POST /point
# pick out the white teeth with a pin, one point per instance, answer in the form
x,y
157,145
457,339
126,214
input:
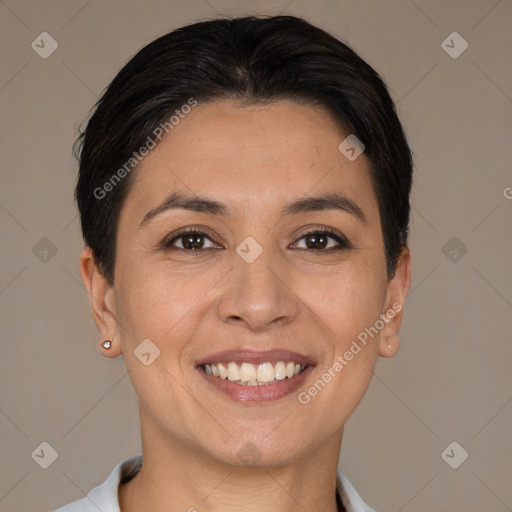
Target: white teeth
x,y
254,375
247,372
223,371
233,372
280,371
266,372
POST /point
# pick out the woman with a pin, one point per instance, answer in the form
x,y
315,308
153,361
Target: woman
x,y
244,199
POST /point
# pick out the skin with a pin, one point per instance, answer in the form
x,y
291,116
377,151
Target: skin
x,y
255,160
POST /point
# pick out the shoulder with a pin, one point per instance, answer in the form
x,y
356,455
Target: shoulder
x,y
350,497
104,496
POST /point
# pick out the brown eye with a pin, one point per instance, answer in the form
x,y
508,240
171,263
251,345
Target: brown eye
x,y
322,240
316,241
190,240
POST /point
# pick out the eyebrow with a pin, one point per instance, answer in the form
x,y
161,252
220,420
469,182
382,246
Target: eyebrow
x,y
330,201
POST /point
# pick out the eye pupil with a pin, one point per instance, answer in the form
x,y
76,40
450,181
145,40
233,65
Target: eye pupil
x,y
316,241
192,242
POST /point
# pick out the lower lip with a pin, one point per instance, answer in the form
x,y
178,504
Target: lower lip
x,y
260,393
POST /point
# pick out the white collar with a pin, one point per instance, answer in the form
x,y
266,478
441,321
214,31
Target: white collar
x,y
104,497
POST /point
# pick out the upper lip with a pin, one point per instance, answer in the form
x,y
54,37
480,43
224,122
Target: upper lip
x,y
255,357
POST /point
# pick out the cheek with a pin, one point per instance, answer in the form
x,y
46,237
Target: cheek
x,y
162,303
342,309
346,301
163,308
345,307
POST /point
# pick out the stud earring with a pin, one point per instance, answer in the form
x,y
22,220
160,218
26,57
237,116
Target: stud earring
x,y
106,344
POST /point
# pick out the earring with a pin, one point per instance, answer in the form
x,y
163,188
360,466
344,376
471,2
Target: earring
x,y
106,344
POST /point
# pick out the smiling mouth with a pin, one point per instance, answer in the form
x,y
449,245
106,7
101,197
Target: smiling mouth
x,y
248,374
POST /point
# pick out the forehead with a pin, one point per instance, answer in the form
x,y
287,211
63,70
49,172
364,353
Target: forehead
x,y
252,155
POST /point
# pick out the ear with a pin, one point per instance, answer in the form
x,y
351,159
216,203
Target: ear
x,y
101,295
398,287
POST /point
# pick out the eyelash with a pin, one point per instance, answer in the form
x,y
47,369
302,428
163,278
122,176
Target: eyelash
x,y
167,244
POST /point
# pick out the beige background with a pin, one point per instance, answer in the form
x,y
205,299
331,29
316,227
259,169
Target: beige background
x,y
451,380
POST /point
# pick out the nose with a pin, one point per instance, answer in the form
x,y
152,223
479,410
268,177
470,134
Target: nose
x,y
257,295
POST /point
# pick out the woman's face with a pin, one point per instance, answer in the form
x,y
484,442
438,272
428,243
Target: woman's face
x,y
251,284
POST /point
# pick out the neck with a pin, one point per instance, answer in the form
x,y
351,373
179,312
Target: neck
x,y
176,476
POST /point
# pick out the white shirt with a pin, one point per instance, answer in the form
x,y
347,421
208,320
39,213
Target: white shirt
x,y
104,497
